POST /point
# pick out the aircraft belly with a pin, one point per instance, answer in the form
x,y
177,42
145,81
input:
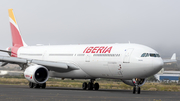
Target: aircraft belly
x,y
75,74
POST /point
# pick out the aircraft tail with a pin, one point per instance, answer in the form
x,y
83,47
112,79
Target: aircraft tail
x,y
17,40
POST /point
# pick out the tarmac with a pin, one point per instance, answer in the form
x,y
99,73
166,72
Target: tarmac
x,y
23,93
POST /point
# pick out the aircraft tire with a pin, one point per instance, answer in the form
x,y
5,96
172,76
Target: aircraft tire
x,y
139,90
43,86
134,90
84,86
36,86
31,85
96,86
90,86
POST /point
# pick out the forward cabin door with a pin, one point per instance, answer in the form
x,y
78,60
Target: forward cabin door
x,y
127,55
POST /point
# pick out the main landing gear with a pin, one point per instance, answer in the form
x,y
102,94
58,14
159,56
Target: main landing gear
x,y
90,85
33,85
136,89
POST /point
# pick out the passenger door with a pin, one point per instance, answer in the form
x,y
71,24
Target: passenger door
x,y
127,55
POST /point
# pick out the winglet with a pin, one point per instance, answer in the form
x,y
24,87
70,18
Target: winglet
x,y
173,56
17,40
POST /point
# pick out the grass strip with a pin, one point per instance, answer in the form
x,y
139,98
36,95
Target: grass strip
x,y
104,84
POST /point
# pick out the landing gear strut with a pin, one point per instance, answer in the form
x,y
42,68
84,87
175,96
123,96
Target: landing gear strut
x,y
90,85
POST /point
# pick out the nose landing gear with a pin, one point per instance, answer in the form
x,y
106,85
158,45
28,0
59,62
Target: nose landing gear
x,y
90,85
137,82
136,89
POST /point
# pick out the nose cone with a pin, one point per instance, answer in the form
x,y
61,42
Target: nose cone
x,y
157,64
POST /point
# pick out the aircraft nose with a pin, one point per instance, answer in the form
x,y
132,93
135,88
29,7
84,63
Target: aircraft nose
x,y
158,64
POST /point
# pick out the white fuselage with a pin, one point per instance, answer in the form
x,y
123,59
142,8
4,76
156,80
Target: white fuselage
x,y
118,61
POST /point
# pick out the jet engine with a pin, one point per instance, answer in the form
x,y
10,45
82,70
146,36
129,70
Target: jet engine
x,y
135,82
37,74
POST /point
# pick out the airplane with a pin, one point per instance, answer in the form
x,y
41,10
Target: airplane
x,y
131,63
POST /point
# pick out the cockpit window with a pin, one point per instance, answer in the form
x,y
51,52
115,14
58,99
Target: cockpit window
x,y
143,55
157,55
150,55
147,55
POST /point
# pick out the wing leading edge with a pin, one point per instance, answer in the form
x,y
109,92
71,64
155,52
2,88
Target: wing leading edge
x,y
54,66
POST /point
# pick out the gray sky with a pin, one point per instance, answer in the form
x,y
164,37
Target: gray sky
x,y
155,23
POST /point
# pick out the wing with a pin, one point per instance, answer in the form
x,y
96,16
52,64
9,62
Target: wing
x,y
54,66
173,59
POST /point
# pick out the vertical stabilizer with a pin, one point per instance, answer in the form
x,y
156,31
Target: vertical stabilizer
x,y
17,40
173,56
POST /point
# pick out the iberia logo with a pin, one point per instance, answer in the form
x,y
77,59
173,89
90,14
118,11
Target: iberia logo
x,y
98,49
31,77
27,75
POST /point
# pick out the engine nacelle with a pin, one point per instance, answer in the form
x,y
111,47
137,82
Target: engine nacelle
x,y
135,82
37,74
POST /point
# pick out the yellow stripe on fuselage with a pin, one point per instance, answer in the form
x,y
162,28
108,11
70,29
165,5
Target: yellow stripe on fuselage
x,y
11,15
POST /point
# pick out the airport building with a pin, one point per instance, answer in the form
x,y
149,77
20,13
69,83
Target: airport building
x,y
167,77
172,76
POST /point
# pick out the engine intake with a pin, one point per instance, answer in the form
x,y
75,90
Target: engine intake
x,y
36,74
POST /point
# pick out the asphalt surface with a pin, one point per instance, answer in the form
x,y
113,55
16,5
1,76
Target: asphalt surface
x,y
23,93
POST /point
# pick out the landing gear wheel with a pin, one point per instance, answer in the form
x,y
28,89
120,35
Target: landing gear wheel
x,y
36,86
90,86
43,86
96,86
139,90
84,86
134,90
31,85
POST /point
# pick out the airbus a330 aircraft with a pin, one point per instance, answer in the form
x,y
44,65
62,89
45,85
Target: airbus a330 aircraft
x,y
131,63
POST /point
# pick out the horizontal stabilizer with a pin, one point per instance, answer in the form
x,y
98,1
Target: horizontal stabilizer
x,y
5,51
